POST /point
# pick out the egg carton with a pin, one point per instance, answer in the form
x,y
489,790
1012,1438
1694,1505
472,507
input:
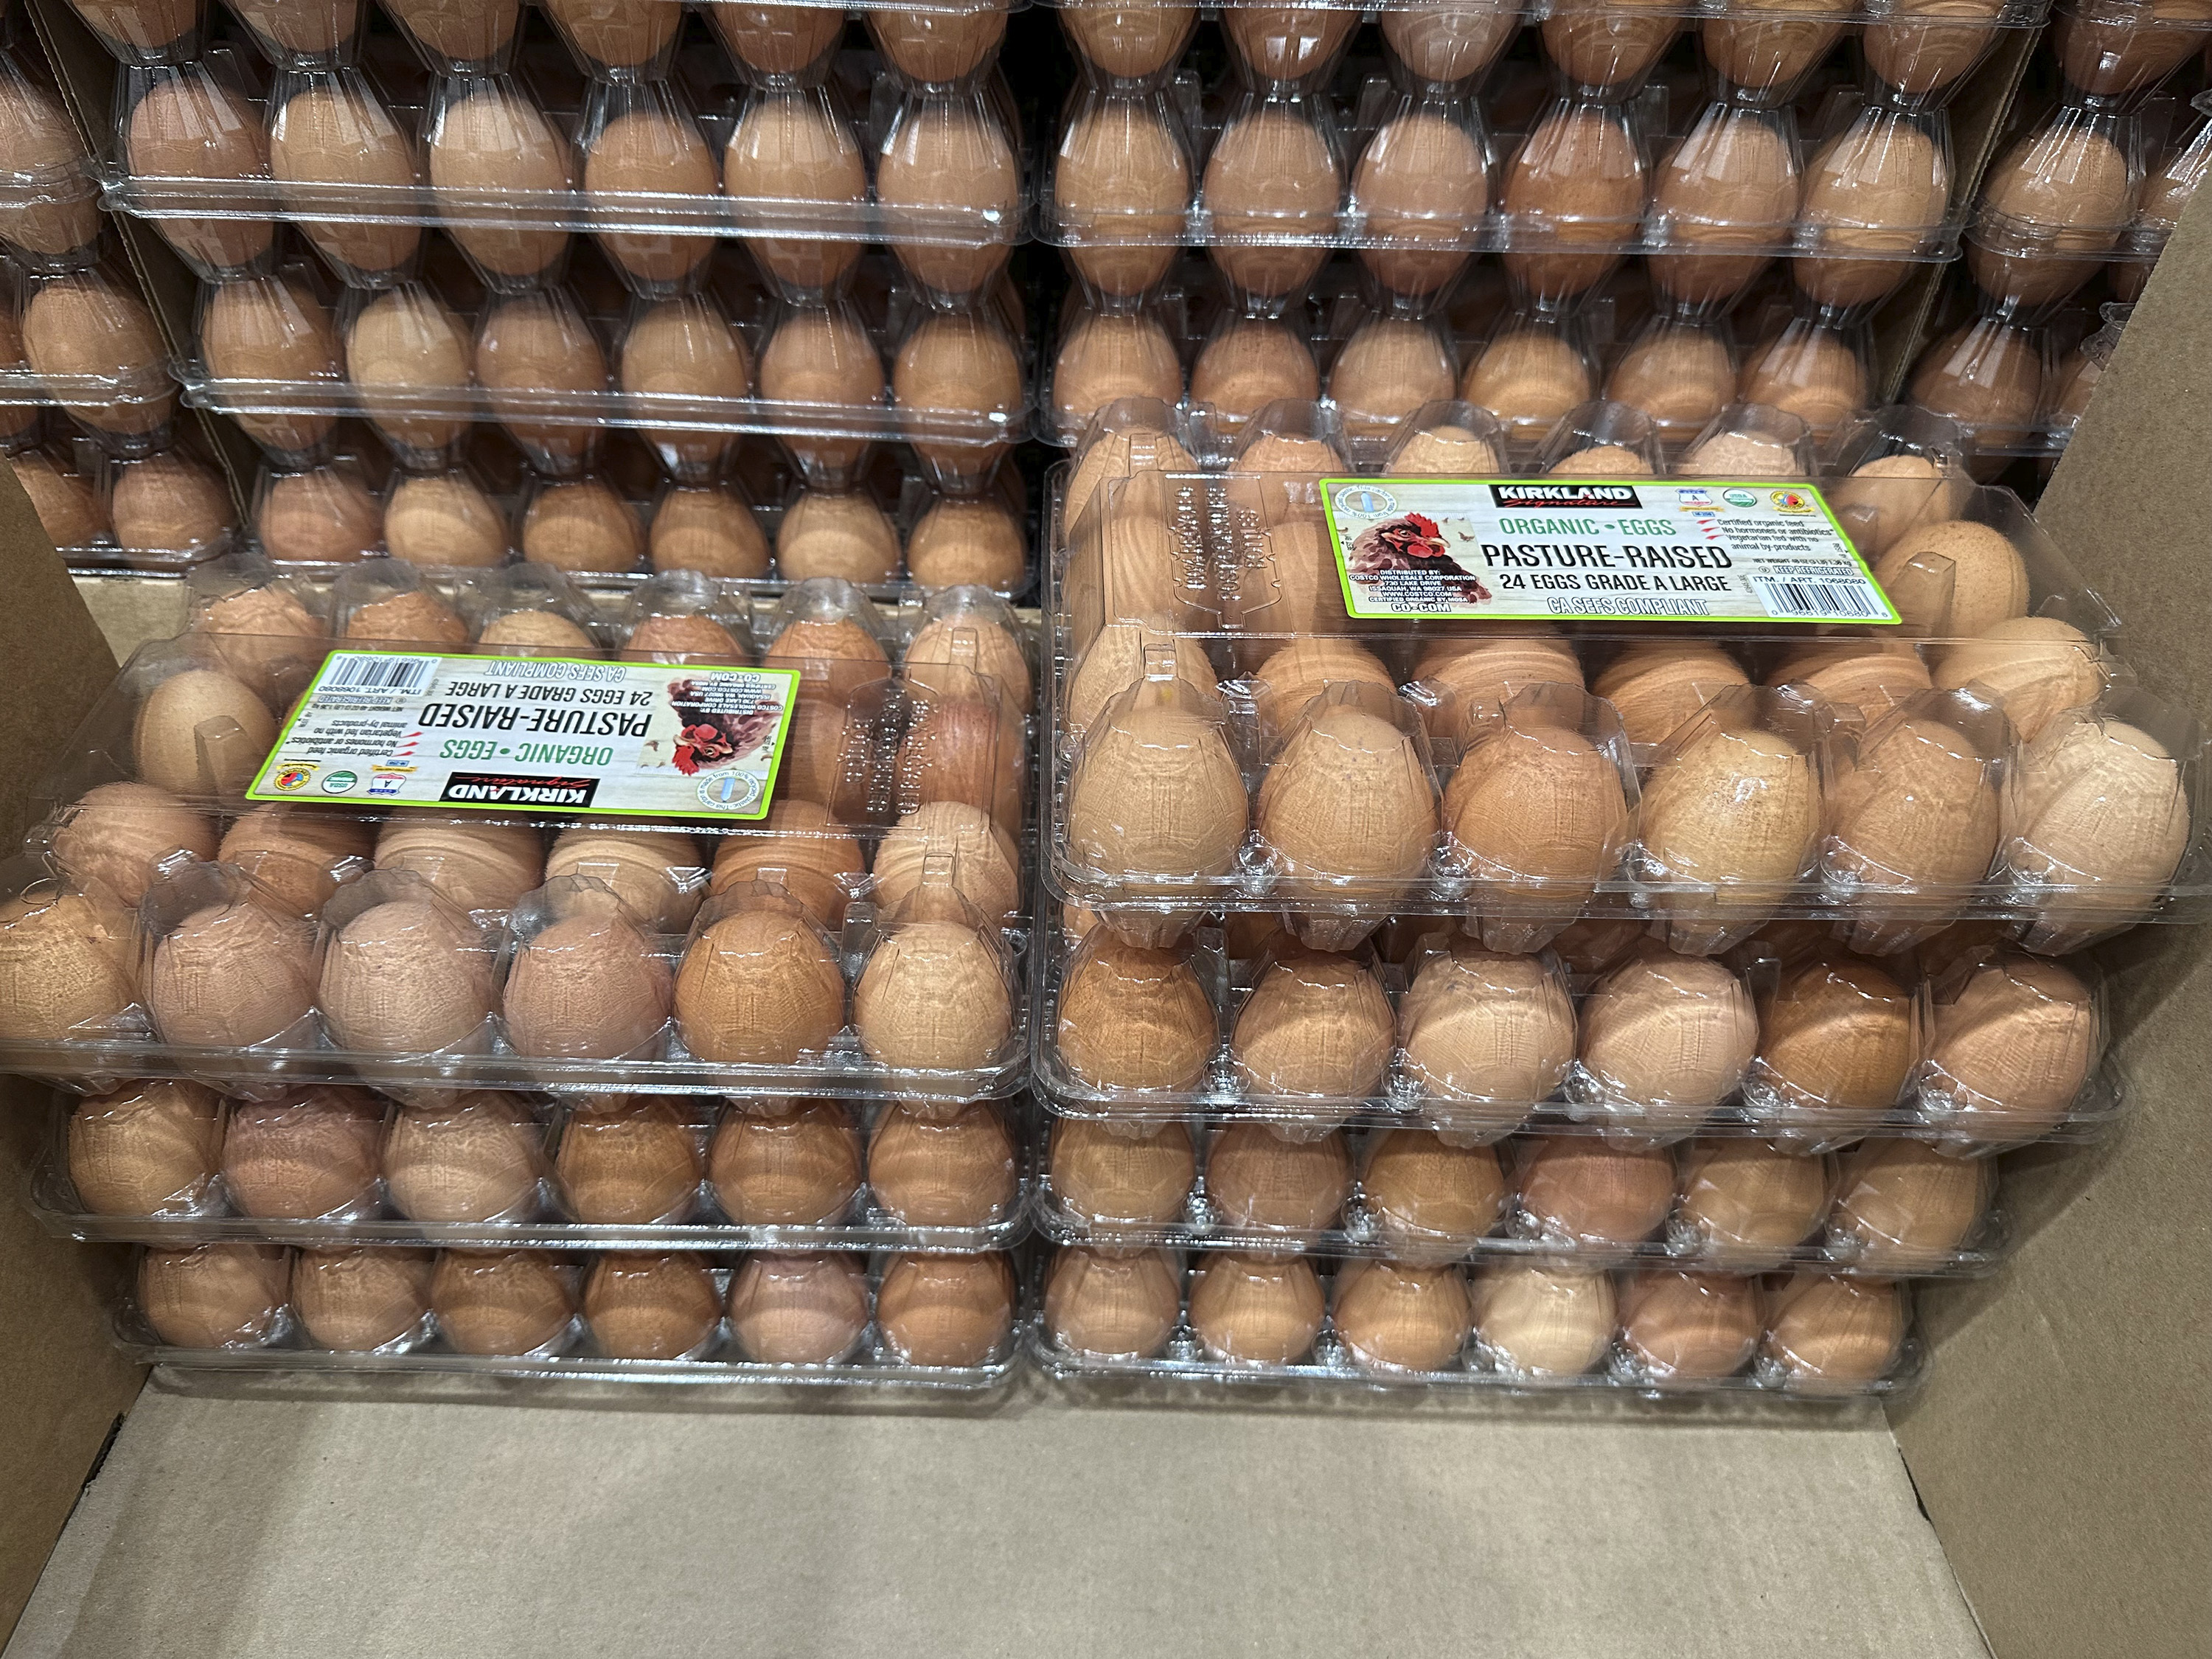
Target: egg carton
x,y
249,1320
1190,999
49,189
346,504
1886,1206
505,161
2030,396
73,482
983,1158
84,342
1655,1331
423,402
2122,48
1207,599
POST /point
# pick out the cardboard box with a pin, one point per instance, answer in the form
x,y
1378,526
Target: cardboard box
x,y
2048,1494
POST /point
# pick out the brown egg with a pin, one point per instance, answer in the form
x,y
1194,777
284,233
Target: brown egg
x,y
495,142
1811,373
712,531
1689,1327
945,1310
466,31
1272,174
232,976
410,616
299,31
1399,1316
1742,455
1594,945
1121,453
1477,1026
1293,588
827,752
822,357
201,732
1671,1035
1128,38
1681,377
617,34
588,987
355,1300
1601,461
682,358
1987,375
1917,811
1536,1322
1133,1019
1580,176
1128,1174
582,525
1738,809
964,749
1315,1024
801,848
944,156
2097,806
1538,804
1917,59
834,657
1112,1304
264,635
773,39
1576,1189
1954,577
958,375
1255,1308
444,520
269,329
1155,793
799,1310
2065,188
836,534
651,151
83,327
150,1147
1442,40
501,1302
938,47
984,867
758,987
474,865
656,873
1528,376
1424,183
681,637
324,516
1770,56
1286,43
474,1157
1472,675
2014,1043
407,976
219,1296
408,344
1865,678
629,1160
1828,1333
1730,184
1447,452
1903,1207
1121,181
1607,46
958,542
298,855
1430,1197
1839,1034
1348,797
789,155
1257,1178
1245,366
1388,368
961,641
785,1163
1747,1199
933,997
1115,660
67,961
305,1156
929,1170
537,350
332,135
123,835
147,28
1294,674
192,127
651,1307
70,513
1879,187
1106,357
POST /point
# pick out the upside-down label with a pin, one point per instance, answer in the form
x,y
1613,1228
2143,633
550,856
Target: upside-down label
x,y
1619,550
622,739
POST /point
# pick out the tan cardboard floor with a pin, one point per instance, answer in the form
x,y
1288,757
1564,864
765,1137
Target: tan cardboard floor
x,y
269,1524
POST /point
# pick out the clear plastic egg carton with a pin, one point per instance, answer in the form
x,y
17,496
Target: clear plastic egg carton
x,y
2010,390
425,361
950,1322
166,1162
1885,1206
157,514
49,191
1183,587
1791,1039
655,159
82,341
1273,1318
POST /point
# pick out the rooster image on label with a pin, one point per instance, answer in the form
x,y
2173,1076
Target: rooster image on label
x,y
1411,543
710,737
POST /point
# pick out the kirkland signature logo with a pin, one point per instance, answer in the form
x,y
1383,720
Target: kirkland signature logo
x,y
1565,493
519,789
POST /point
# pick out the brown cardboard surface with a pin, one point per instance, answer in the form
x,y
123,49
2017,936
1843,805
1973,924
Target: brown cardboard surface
x,y
63,1382
2064,1447
251,1527
131,610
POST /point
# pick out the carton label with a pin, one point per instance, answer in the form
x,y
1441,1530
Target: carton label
x,y
1617,549
503,734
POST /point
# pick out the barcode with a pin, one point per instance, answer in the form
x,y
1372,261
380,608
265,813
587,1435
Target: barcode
x,y
380,673
1814,598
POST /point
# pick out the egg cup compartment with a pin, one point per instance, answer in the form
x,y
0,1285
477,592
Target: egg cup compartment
x,y
49,187
88,345
1738,1064
681,1166
1882,1208
2120,48
175,510
1430,1326
233,1305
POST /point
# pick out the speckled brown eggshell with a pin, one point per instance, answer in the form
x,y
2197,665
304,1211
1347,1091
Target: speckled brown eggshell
x,y
1259,1178
476,1157
69,964
230,1295
1543,1321
1112,1304
642,1306
794,1163
928,1170
1122,1172
945,1310
1738,809
2034,667
230,975
1671,1034
501,1302
1431,1198
799,1310
1865,678
355,1300
1134,1018
1255,1310
1954,578
121,835
304,1155
149,1148
407,976
758,987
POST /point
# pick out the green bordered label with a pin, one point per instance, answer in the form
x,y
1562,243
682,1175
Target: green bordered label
x,y
552,734
1604,549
